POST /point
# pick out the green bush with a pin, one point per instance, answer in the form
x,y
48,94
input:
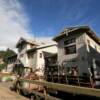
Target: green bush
x,y
9,79
2,66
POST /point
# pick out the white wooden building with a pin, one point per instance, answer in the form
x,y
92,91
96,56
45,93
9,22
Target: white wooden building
x,y
31,54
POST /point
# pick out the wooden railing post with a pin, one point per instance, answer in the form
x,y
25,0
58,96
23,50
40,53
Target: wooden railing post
x,y
45,93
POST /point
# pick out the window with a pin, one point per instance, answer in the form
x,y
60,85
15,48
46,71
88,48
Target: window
x,y
21,55
40,55
69,41
70,49
30,55
21,47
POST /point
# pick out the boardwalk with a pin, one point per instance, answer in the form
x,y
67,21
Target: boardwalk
x,y
6,94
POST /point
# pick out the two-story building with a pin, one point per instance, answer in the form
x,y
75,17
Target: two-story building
x,y
10,61
31,54
79,47
23,45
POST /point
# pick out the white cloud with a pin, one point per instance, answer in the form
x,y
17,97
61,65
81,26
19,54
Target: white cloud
x,y
13,23
46,40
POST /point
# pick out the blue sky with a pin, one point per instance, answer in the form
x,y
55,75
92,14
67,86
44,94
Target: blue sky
x,y
49,17
43,19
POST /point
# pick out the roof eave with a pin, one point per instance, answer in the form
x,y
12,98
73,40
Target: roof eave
x,y
57,38
31,50
88,31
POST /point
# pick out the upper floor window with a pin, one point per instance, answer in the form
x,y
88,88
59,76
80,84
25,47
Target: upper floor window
x,y
21,47
40,55
69,41
21,55
70,49
30,55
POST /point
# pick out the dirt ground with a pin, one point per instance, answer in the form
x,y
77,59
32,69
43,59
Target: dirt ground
x,y
7,94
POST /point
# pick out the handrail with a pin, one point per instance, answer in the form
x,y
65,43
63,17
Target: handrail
x,y
66,88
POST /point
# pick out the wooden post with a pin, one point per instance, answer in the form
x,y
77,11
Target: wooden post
x,y
91,80
58,74
78,80
45,93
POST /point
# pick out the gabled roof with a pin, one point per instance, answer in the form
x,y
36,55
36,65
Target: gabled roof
x,y
72,30
29,41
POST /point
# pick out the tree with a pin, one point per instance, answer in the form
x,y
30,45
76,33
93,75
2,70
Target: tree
x,y
9,52
2,66
4,55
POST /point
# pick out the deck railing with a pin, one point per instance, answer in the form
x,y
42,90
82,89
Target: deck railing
x,y
66,88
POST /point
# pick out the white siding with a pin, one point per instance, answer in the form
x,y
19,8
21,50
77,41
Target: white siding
x,y
10,67
32,61
93,44
41,61
22,56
